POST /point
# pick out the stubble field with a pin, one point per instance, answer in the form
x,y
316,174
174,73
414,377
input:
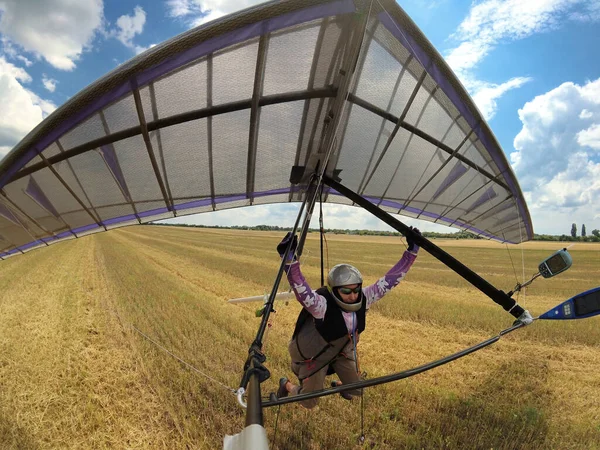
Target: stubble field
x,y
76,372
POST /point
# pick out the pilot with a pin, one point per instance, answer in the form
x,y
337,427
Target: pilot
x,y
329,325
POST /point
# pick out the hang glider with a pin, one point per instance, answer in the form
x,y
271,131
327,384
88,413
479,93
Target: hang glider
x,y
339,101
217,117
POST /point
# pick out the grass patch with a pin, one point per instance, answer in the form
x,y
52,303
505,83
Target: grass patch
x,y
75,374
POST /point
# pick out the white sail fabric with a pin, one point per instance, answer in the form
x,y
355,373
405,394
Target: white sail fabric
x,y
217,117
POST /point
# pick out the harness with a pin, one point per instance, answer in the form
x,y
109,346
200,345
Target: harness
x,y
331,327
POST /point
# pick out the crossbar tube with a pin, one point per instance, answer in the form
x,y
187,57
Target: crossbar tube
x,y
476,280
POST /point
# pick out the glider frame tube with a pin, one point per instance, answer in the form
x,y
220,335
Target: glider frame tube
x,y
254,369
394,377
498,296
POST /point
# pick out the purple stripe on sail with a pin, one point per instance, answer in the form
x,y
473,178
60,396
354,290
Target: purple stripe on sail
x,y
208,202
436,217
35,192
110,158
153,212
497,210
31,244
114,220
485,197
401,206
82,229
415,49
231,198
191,205
457,171
8,215
277,191
508,205
505,220
234,198
194,204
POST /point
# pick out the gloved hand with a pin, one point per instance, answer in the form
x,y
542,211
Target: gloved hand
x,y
412,246
525,318
284,243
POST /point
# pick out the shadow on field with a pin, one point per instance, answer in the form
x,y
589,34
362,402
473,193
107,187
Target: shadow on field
x,y
14,437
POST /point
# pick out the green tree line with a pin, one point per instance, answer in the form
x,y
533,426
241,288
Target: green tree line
x,y
595,236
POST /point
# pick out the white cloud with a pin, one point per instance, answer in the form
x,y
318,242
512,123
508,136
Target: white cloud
x,y
13,71
492,22
56,30
130,26
182,8
4,149
46,106
557,156
585,114
24,60
486,94
590,12
139,49
49,83
198,12
590,137
22,110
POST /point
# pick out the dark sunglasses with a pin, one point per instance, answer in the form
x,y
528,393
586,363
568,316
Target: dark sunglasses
x,y
348,291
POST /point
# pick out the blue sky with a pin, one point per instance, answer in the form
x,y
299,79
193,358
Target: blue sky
x,y
532,67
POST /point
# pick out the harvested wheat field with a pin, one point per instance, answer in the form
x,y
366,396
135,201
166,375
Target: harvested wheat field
x,y
76,372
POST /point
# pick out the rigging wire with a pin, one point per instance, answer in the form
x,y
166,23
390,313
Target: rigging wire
x,y
519,285
275,428
513,263
323,240
326,256
362,391
188,365
495,215
362,417
122,323
321,233
521,239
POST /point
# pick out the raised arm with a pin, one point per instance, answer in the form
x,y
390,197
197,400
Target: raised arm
x,y
390,280
314,303
394,276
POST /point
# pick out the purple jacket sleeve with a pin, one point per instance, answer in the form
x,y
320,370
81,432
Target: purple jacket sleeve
x,y
391,279
314,303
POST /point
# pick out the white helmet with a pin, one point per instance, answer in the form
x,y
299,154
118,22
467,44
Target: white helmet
x,y
343,275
